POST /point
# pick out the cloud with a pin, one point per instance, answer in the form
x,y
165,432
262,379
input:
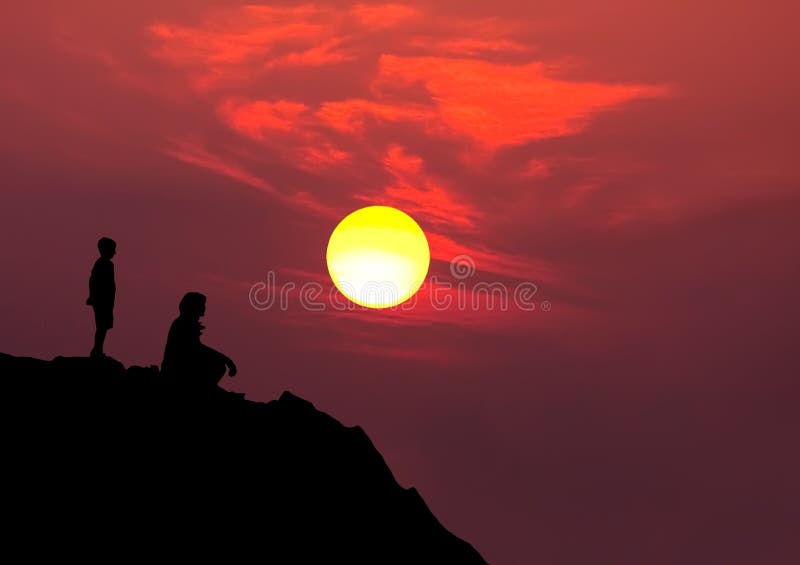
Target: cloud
x,y
382,15
536,168
352,115
254,119
195,154
420,194
503,104
410,106
469,46
288,128
234,45
183,45
328,52
318,157
493,103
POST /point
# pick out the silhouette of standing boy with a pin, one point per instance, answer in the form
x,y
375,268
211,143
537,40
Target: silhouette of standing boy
x,y
102,290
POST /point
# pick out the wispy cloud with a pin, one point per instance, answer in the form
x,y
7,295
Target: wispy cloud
x,y
383,15
420,194
195,154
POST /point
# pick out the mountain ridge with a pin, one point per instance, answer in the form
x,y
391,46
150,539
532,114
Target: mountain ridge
x,y
208,472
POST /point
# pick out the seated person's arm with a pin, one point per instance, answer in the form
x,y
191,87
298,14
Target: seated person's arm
x,y
231,366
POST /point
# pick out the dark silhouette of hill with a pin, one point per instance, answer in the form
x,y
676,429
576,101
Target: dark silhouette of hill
x,y
103,462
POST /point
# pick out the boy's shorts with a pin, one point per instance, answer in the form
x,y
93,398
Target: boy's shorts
x,y
103,317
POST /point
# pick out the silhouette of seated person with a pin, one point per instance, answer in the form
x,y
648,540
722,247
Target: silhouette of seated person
x,y
188,362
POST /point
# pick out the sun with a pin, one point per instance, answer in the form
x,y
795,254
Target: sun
x,y
378,256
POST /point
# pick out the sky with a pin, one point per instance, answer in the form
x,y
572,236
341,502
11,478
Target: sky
x,y
632,165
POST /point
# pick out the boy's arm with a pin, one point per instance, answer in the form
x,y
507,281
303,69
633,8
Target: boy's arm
x,y
231,365
92,285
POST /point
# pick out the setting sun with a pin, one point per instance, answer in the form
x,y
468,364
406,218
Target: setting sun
x,y
378,256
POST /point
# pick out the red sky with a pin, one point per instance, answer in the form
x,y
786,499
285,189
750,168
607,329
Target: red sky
x,y
637,161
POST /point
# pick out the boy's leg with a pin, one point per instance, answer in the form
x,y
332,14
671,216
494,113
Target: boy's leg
x,y
104,320
212,366
99,340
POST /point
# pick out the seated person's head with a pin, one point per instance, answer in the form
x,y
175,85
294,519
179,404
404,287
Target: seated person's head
x,y
193,305
107,247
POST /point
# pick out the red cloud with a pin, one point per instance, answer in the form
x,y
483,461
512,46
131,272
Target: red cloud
x,y
328,52
317,157
287,127
239,44
536,168
501,104
400,163
194,154
469,46
351,115
492,103
195,46
382,15
253,118
419,194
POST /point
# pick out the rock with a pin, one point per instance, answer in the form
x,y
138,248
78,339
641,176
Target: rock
x,y
107,462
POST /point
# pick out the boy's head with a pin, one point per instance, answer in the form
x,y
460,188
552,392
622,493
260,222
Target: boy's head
x,y
193,305
107,247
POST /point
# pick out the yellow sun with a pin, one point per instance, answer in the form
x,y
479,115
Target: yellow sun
x,y
378,256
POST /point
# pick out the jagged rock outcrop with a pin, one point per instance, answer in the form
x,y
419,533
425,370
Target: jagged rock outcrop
x,y
107,463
